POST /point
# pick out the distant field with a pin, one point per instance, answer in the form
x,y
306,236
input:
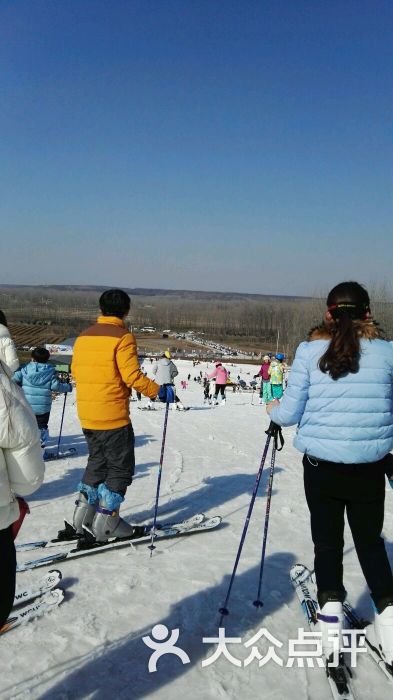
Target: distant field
x,y
26,334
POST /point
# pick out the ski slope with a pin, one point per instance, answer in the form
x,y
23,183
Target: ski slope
x,y
92,647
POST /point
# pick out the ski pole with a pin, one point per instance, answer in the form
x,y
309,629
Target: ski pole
x,y
224,610
275,432
153,529
61,427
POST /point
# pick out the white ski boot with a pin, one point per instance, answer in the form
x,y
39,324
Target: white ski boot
x,y
223,402
107,522
84,513
380,634
331,618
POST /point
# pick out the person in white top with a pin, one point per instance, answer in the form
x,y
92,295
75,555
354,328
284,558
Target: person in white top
x,y
21,473
8,355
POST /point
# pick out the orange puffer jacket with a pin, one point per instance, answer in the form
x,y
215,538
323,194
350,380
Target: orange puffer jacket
x,y
105,366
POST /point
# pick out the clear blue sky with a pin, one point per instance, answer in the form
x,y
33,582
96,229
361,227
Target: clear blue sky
x,y
199,144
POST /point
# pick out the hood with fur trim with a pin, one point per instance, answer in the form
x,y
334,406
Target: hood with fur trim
x,y
366,329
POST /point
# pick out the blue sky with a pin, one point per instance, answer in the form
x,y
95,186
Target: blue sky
x,y
234,146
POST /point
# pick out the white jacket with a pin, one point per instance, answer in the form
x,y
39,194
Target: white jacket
x,y
21,464
8,356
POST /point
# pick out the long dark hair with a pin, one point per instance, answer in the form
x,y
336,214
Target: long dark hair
x,y
3,319
349,306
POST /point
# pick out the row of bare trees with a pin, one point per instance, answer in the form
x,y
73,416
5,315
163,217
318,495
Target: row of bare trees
x,y
260,320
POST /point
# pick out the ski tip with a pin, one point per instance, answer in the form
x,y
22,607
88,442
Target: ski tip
x,y
54,597
55,572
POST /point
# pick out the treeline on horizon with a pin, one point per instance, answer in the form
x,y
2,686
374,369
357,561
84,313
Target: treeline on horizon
x,y
257,319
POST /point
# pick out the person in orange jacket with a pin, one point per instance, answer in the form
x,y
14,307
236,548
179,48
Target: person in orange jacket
x,y
105,367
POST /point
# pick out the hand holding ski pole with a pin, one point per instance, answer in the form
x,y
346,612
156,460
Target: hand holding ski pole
x,y
272,404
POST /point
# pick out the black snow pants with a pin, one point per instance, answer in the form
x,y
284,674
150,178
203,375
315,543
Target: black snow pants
x,y
8,573
359,489
111,458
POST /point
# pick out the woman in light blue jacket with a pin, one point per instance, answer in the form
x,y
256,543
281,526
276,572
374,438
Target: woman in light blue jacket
x,y
340,393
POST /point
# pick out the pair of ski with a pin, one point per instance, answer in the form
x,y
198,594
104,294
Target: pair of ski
x,y
340,677
49,456
34,600
87,545
146,408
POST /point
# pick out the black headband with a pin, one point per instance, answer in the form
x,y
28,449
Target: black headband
x,y
354,311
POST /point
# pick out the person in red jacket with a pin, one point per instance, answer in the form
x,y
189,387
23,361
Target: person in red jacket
x,y
265,394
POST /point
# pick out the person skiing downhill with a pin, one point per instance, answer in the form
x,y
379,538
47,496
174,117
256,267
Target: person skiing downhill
x,y
276,374
265,393
39,380
105,368
165,372
340,392
220,374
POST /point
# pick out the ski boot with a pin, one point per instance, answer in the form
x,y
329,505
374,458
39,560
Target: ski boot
x,y
107,522
223,402
85,510
44,436
380,635
331,618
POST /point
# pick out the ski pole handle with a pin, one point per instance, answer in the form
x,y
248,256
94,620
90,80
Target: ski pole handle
x,y
275,432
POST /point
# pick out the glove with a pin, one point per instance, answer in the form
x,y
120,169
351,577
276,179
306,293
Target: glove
x,y
274,431
23,510
166,394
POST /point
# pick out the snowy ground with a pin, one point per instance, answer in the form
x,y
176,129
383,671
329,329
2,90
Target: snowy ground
x,y
92,647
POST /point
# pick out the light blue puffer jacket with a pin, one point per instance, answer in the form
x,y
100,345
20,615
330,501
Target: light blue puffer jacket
x,y
38,380
347,420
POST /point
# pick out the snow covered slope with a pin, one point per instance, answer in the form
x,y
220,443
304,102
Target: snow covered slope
x,y
92,646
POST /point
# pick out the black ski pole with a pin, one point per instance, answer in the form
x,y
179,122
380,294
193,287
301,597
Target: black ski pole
x,y
61,427
224,610
275,432
153,529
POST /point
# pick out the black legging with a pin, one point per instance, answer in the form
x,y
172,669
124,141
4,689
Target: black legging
x,y
8,573
220,388
359,489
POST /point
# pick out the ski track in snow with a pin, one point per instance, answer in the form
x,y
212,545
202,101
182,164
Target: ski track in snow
x,y
91,647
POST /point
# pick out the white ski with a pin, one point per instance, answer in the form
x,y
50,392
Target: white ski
x,y
339,677
49,601
96,548
72,539
23,594
355,622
